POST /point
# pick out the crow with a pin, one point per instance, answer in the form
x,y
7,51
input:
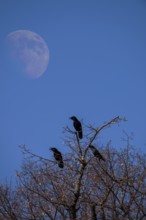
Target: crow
x,y
77,125
96,153
58,157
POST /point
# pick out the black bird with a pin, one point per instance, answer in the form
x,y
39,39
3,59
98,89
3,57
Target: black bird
x,y
58,157
96,153
77,125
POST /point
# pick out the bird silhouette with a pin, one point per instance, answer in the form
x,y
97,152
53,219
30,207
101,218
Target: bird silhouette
x,y
96,153
77,125
58,157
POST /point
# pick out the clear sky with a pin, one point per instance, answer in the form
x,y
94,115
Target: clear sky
x,y
97,71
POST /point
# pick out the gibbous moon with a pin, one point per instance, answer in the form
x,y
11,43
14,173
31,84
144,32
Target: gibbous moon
x,y
30,50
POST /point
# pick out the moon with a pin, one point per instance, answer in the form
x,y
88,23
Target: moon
x,y
31,52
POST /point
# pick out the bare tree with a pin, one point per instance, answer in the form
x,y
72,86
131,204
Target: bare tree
x,y
86,188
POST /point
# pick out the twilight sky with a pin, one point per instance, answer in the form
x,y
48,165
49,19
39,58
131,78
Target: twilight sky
x,y
97,71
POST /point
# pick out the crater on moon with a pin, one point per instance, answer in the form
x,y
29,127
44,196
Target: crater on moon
x,y
30,50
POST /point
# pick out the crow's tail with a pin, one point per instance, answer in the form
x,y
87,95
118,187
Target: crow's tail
x,y
80,134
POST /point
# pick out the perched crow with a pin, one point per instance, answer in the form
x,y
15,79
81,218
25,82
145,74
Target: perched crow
x,y
58,157
77,125
96,153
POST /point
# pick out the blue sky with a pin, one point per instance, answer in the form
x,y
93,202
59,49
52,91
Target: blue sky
x,y
97,71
